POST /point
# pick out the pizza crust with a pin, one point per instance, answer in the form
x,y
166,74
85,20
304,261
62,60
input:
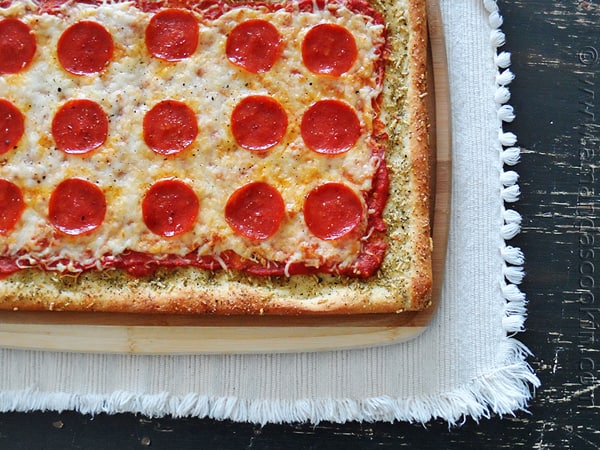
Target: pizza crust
x,y
403,283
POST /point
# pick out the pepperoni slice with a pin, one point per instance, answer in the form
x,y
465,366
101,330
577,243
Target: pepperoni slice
x,y
255,210
11,126
170,127
329,49
172,35
258,123
332,211
77,207
330,127
79,126
12,203
170,207
17,46
254,45
85,48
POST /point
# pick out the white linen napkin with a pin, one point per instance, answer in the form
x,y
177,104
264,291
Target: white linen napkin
x,y
467,363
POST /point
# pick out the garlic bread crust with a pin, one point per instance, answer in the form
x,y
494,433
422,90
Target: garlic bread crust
x,y
402,283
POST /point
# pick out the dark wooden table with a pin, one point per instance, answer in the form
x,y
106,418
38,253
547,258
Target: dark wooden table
x,y
555,46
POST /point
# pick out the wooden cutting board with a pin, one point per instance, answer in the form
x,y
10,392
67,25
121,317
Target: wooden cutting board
x,y
154,334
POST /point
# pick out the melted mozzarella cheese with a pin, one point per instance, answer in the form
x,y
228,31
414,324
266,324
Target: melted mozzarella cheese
x,y
214,166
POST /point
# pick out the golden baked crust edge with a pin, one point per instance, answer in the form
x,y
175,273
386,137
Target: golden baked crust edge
x,y
402,284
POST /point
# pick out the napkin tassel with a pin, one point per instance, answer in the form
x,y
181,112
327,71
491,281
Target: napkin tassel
x,y
515,377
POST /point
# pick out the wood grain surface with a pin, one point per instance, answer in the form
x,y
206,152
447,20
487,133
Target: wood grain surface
x,y
556,95
164,334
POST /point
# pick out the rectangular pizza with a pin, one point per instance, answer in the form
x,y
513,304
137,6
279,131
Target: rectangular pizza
x,y
214,156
